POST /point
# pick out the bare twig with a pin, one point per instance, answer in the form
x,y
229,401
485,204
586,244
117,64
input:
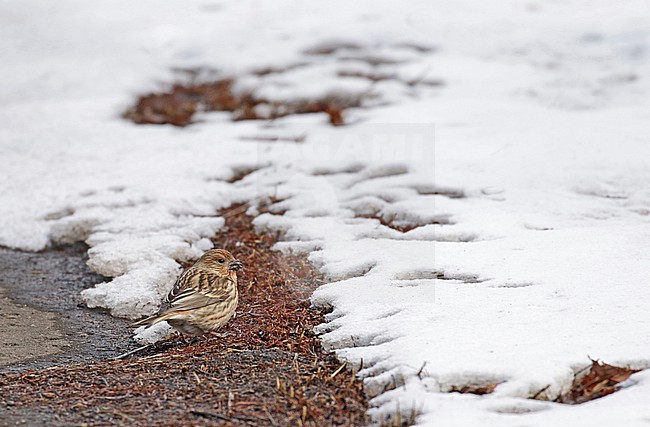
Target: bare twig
x,y
129,353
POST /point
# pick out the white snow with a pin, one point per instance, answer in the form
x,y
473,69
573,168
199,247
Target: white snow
x,y
521,154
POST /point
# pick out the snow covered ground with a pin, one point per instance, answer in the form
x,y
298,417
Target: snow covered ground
x,y
526,171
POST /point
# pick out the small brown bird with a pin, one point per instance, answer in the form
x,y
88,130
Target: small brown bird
x,y
204,297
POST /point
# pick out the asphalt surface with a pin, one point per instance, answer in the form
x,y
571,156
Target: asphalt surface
x,y
43,319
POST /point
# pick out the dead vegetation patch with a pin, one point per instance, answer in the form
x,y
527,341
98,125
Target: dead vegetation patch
x,y
267,368
297,139
181,102
376,76
597,380
478,389
203,89
432,190
332,47
241,172
401,226
372,76
593,382
346,169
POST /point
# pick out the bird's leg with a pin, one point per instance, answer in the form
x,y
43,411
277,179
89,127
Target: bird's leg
x,y
167,342
183,339
188,340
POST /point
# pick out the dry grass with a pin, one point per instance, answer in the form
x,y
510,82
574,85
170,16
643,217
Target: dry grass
x,y
178,105
478,389
597,380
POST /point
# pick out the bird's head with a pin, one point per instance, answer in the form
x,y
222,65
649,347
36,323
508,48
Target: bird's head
x,y
221,261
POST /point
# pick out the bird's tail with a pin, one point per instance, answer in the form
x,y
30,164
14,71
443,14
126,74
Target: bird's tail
x,y
149,321
157,318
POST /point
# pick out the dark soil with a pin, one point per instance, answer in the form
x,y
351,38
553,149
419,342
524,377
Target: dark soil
x,y
267,368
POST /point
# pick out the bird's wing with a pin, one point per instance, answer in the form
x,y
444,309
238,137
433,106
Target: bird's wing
x,y
183,282
196,289
191,299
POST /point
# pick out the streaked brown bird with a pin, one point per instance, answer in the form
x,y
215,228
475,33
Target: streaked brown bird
x,y
204,297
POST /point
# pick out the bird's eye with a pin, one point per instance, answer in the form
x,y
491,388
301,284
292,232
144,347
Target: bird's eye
x,y
221,260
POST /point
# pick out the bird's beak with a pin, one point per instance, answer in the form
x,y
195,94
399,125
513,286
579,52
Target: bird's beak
x,y
235,265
